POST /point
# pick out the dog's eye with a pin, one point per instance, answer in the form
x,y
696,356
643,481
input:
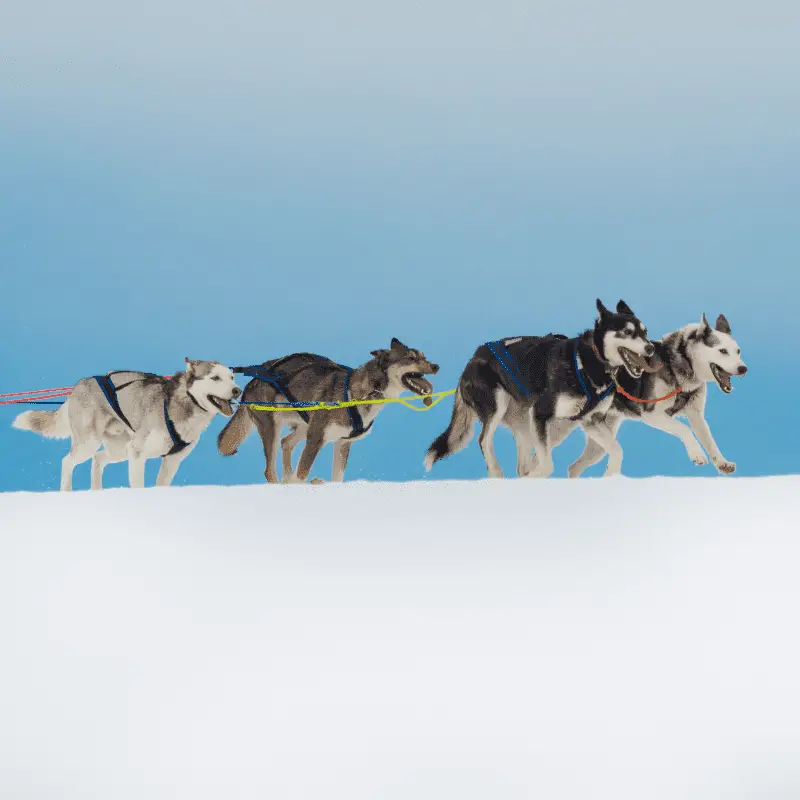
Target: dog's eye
x,y
738,352
216,378
723,351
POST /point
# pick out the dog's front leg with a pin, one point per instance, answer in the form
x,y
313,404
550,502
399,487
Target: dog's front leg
x,y
699,425
341,452
606,438
169,466
288,444
136,462
663,422
314,444
593,451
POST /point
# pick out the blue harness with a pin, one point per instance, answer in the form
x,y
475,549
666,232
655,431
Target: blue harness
x,y
506,361
110,391
271,377
593,400
509,367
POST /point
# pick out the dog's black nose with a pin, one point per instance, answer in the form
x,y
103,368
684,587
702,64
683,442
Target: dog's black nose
x,y
434,368
236,391
743,370
649,349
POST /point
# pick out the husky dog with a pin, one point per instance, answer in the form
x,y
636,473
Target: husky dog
x,y
532,383
690,358
135,416
305,378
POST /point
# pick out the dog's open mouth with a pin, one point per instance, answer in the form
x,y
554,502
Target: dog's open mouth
x,y
722,378
414,382
634,363
223,406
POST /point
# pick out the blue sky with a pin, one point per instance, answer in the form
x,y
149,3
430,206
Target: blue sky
x,y
238,183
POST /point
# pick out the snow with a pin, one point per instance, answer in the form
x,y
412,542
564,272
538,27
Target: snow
x,y
511,639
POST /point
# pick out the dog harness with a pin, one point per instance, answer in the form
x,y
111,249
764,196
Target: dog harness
x,y
506,361
593,399
510,367
270,376
110,391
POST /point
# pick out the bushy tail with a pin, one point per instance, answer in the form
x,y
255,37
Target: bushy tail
x,y
50,424
235,432
457,435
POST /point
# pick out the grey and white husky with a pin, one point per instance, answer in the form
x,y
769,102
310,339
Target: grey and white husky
x,y
690,358
308,378
533,384
134,416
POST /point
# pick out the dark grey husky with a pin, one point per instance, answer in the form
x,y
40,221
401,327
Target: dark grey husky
x,y
309,378
532,383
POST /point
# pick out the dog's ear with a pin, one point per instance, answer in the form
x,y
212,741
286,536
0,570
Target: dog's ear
x,y
382,357
398,345
189,366
624,308
704,323
723,326
601,308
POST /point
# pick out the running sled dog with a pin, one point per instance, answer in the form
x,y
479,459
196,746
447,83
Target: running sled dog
x,y
134,416
307,379
690,358
536,384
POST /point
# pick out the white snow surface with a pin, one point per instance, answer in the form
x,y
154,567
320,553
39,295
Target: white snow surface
x,y
439,640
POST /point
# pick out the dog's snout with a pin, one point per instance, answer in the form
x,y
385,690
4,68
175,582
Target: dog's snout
x,y
743,370
649,349
236,391
434,368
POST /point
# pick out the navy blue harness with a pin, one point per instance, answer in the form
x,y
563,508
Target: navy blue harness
x,y
110,392
271,377
593,400
509,367
506,361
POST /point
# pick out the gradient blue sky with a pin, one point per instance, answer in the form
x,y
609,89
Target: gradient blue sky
x,y
240,181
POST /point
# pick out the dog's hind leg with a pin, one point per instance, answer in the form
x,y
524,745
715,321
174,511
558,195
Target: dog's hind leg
x,y
111,453
268,430
490,425
79,452
341,452
520,424
288,444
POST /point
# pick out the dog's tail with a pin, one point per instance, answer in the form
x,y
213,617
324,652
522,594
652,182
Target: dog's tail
x,y
235,432
50,424
457,435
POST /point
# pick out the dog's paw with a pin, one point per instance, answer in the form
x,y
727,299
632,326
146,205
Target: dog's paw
x,y
316,481
698,457
726,467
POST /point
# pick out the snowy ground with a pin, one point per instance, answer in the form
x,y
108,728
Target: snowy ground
x,y
587,639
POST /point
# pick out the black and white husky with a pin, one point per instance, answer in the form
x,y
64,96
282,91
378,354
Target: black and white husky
x,y
134,416
532,383
690,358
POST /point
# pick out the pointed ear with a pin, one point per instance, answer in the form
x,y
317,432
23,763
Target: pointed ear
x,y
381,356
704,322
723,326
189,365
624,308
398,345
601,308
